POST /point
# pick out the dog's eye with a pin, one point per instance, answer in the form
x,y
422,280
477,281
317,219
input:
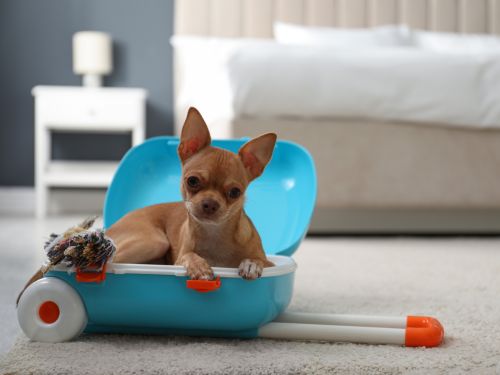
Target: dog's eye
x,y
193,181
234,193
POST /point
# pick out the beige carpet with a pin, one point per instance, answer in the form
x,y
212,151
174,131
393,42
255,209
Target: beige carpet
x,y
456,280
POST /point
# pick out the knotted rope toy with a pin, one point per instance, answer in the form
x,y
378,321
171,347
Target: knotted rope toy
x,y
79,247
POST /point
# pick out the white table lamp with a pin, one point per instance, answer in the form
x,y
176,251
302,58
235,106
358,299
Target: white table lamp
x,y
92,56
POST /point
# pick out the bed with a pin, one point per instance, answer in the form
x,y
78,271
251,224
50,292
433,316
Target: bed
x,y
373,176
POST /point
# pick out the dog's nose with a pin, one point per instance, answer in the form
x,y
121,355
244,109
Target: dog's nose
x,y
210,206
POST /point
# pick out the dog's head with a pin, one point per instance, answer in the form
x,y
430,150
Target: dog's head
x,y
214,180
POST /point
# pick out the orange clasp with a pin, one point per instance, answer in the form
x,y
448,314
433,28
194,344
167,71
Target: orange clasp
x,y
91,277
423,331
204,286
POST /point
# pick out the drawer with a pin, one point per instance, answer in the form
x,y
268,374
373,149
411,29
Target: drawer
x,y
90,108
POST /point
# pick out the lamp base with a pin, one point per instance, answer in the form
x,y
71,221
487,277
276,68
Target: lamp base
x,y
92,80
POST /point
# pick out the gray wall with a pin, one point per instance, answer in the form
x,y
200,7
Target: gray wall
x,y
35,49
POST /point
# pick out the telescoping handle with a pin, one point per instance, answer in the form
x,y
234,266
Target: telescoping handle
x,y
408,331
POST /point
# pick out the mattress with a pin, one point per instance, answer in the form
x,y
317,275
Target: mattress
x,y
382,165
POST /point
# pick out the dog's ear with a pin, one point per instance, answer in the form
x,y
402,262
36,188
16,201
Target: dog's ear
x,y
194,136
256,153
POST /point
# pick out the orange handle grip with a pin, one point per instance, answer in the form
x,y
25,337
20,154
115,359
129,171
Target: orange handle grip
x,y
423,331
204,286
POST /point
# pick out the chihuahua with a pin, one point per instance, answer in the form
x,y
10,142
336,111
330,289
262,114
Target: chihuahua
x,y
209,227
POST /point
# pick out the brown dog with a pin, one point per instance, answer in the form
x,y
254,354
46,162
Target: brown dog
x,y
210,227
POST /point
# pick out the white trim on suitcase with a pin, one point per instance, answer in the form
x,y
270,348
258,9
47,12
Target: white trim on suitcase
x,y
283,266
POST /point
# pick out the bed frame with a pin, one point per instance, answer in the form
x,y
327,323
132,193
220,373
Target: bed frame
x,y
374,177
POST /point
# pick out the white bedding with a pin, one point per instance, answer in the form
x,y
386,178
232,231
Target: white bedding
x,y
380,36
408,84
234,77
202,78
455,43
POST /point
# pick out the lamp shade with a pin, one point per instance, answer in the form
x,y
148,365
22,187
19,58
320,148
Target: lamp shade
x,y
92,53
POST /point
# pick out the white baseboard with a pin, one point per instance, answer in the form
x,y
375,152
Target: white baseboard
x,y
17,200
21,201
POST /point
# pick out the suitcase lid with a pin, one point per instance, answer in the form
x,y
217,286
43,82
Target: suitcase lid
x,y
280,202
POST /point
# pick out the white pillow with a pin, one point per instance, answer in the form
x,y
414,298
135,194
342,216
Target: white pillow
x,y
456,43
391,35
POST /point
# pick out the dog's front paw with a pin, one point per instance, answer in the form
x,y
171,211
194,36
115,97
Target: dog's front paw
x,y
200,270
250,269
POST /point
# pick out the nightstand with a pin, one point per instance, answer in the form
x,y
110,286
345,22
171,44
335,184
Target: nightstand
x,y
81,110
